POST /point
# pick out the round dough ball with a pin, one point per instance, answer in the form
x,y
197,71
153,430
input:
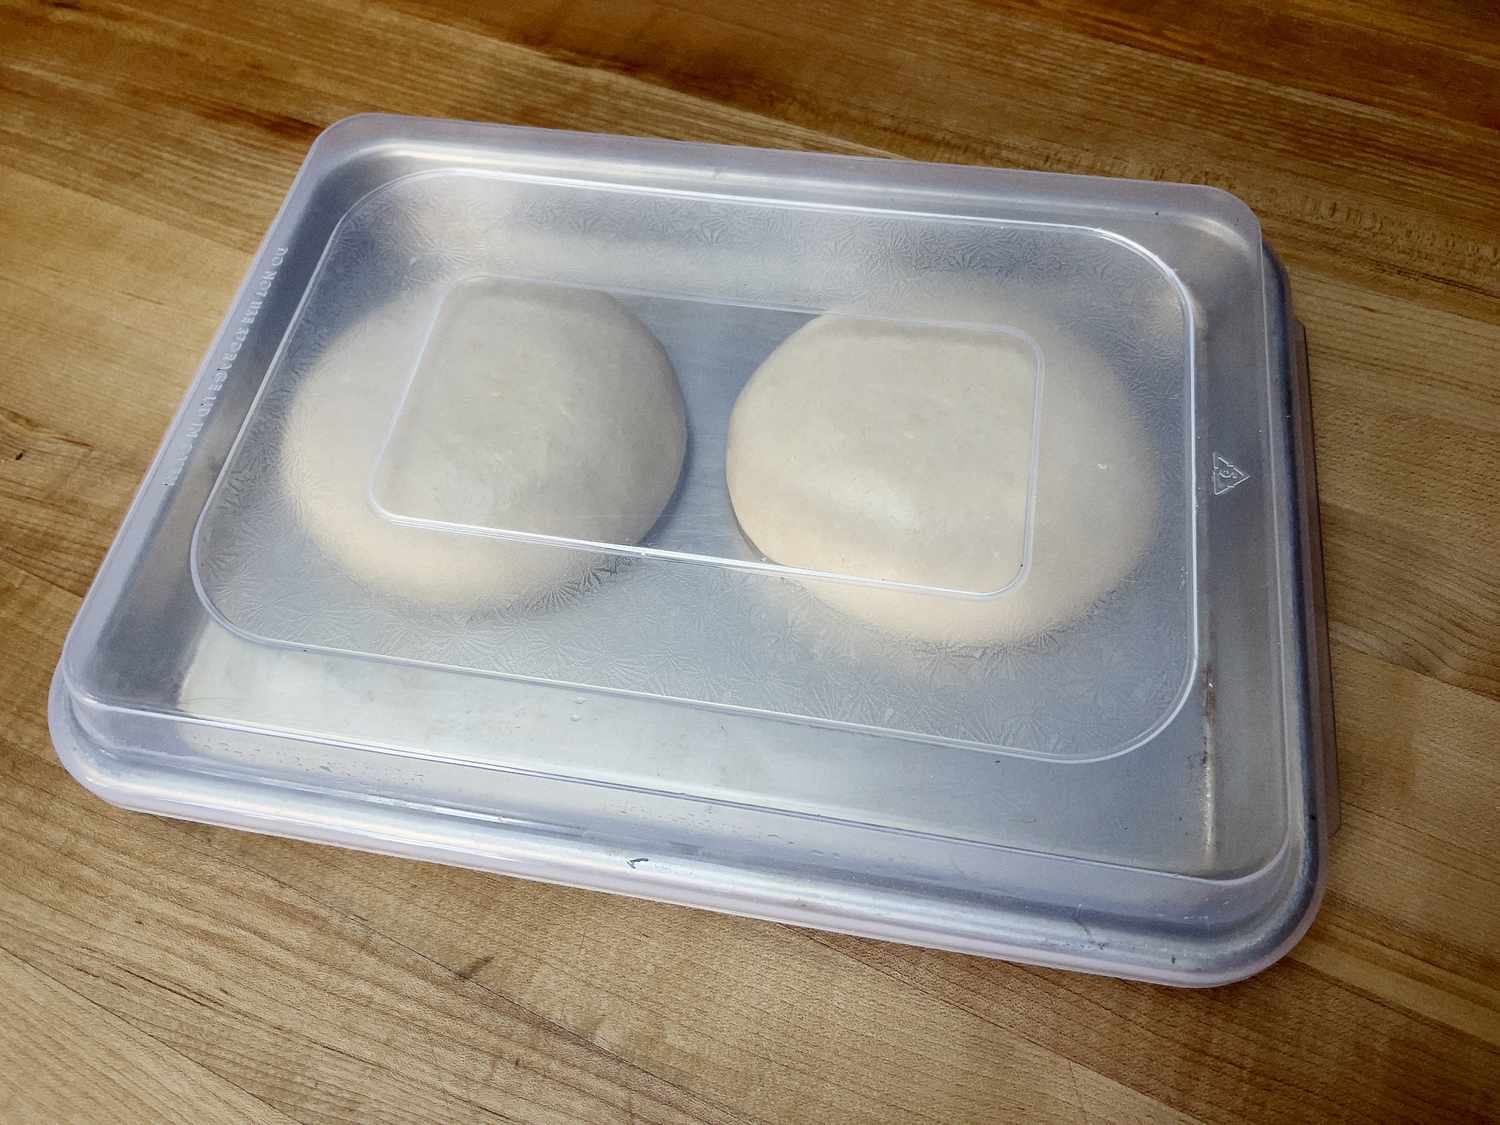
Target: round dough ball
x,y
533,409
904,453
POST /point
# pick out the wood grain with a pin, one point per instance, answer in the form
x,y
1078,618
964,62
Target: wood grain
x,y
154,970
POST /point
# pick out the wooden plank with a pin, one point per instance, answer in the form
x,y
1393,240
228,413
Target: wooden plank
x,y
1391,200
153,968
67,1059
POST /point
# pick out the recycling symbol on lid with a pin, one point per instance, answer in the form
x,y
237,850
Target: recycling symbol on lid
x,y
1227,474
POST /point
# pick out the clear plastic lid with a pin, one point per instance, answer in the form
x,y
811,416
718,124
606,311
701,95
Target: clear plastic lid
x,y
643,492
466,333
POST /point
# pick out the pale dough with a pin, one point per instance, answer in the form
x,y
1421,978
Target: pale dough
x,y
903,453
536,409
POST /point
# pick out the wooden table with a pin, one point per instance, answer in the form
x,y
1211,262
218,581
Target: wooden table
x,y
159,971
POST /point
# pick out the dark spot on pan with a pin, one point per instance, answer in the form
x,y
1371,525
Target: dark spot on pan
x,y
1210,711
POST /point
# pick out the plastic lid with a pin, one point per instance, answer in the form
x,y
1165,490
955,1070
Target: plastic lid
x,y
1076,639
904,549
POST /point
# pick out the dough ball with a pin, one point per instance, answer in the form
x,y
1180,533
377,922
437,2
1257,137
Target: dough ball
x,y
904,453
533,408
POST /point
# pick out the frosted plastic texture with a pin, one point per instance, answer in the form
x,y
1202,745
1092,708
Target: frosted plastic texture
x,y
340,610
721,284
